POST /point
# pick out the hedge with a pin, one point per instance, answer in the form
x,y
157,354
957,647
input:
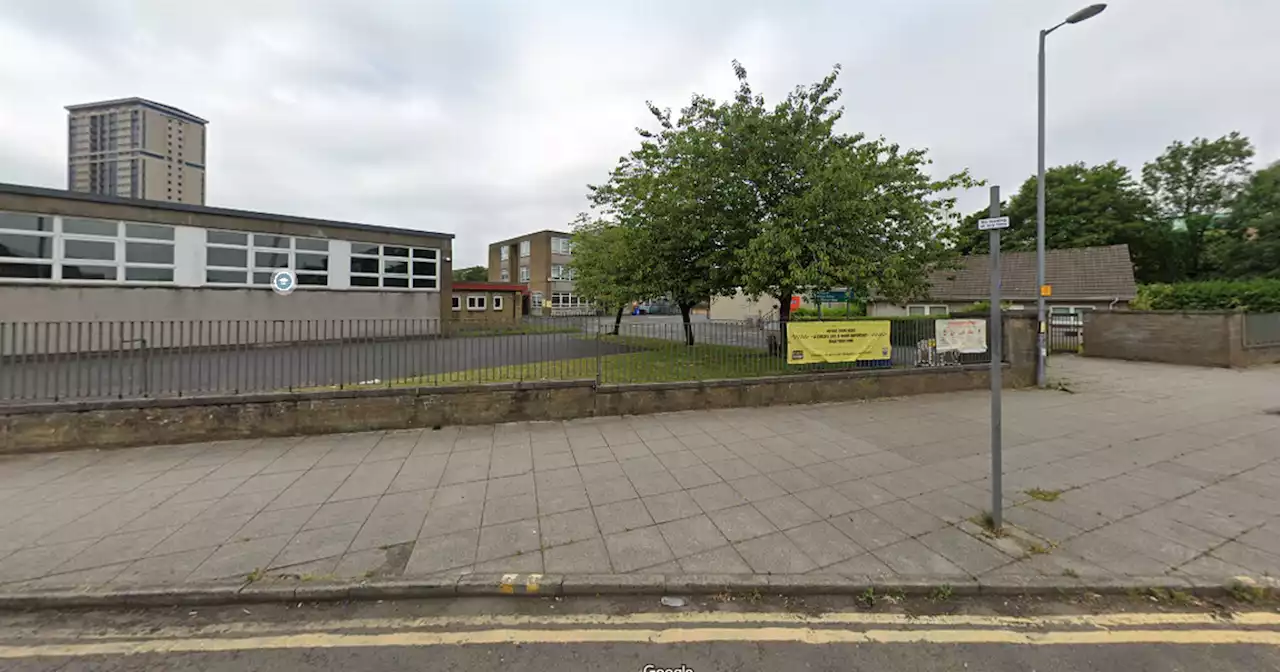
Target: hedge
x,y
1249,296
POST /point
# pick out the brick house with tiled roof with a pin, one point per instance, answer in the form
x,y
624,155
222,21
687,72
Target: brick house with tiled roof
x,y
1082,278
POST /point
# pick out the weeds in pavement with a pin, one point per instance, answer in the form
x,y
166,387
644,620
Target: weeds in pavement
x,y
987,523
256,575
1044,495
868,598
941,593
1246,592
1071,573
1037,549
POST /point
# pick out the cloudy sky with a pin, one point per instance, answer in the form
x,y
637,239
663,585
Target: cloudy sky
x,y
487,119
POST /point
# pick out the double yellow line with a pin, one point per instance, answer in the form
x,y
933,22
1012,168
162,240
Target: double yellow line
x,y
662,628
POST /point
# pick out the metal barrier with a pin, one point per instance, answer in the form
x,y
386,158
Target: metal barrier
x,y
50,361
1261,330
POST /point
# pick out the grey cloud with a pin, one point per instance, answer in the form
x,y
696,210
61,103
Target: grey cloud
x,y
489,118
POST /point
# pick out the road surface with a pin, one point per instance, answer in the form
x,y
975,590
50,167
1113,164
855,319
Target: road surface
x,y
706,635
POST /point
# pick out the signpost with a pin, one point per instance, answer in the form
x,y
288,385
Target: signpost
x,y
994,223
283,282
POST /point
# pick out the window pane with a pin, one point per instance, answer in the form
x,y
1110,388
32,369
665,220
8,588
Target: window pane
x,y
424,283
311,262
915,310
138,274
363,281
22,222
395,282
271,259
265,240
263,277
359,265
312,244
84,249
221,256
389,251
148,231
398,267
90,227
236,277
315,279
228,238
30,271
364,248
422,253
32,247
148,253
88,272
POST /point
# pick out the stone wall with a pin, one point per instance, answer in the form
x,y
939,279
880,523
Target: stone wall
x,y
1196,338
117,423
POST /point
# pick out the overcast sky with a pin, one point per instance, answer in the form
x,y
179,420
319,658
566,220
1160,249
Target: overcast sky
x,y
487,119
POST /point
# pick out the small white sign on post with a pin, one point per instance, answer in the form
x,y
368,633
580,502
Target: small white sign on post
x,y
965,336
993,223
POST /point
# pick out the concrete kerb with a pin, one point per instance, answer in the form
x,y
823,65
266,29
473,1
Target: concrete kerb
x,y
552,585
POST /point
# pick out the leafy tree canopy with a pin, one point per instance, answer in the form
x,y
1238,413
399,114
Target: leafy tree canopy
x,y
471,274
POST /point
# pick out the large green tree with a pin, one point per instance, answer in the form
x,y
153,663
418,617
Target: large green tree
x,y
1192,186
1084,206
1248,242
827,209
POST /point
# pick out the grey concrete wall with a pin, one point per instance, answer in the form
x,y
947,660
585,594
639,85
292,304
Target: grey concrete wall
x,y
51,427
1193,338
42,318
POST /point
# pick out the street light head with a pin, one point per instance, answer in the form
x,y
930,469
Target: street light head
x,y
1087,13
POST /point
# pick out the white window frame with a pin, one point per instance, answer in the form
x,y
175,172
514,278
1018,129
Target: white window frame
x,y
525,248
57,260
415,255
524,274
505,275
252,269
504,253
497,302
475,302
561,245
561,272
457,302
928,309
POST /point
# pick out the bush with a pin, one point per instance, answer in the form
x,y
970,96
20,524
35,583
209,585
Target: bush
x,y
1249,296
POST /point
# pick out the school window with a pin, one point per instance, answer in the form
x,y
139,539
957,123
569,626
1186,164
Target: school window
x,y
524,274
561,246
561,272
239,258
457,303
90,250
394,266
505,275
926,310
524,248
497,302
475,302
504,253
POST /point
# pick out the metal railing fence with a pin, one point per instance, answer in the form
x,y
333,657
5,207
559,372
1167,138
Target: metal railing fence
x,y
1261,330
56,361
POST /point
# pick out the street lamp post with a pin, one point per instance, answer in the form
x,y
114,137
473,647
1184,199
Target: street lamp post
x,y
1041,345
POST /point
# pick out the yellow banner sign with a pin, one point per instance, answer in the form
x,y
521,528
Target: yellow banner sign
x,y
813,342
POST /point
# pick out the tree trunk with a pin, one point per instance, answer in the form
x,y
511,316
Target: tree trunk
x,y
617,319
784,315
688,328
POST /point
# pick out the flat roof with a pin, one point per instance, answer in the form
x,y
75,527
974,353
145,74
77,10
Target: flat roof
x,y
25,190
531,233
159,107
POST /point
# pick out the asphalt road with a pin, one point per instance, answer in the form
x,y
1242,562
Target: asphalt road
x,y
545,635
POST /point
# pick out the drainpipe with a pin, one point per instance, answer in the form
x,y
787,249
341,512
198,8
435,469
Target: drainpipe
x,y
1114,301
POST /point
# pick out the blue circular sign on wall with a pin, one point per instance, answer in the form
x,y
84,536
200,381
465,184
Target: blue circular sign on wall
x,y
283,281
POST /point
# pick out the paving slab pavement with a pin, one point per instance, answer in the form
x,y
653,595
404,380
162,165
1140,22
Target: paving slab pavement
x,y
1124,470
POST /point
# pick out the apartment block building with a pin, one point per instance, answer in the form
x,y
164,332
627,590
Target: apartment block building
x,y
540,261
136,148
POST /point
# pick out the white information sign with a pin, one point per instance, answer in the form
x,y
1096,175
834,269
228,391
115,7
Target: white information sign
x,y
966,336
993,223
